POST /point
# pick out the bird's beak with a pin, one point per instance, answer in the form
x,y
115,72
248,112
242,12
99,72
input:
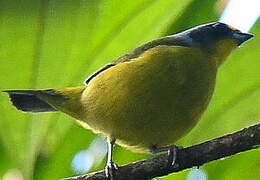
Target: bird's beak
x,y
241,37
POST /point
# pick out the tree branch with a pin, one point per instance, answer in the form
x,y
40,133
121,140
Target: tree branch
x,y
197,155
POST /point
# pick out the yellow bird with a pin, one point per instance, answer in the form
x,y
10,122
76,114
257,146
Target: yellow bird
x,y
149,98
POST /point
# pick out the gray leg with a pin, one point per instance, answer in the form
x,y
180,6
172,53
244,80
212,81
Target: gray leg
x,y
111,167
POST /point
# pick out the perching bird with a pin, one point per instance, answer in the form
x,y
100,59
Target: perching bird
x,y
149,98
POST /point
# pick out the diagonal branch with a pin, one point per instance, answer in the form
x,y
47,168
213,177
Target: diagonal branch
x,y
246,139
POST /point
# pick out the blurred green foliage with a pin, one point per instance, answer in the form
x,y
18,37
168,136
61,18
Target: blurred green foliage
x,y
57,43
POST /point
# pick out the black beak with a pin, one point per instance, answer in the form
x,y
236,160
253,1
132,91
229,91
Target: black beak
x,y
241,37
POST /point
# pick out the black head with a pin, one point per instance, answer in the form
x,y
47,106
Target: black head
x,y
208,34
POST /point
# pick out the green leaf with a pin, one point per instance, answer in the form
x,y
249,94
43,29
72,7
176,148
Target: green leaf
x,y
235,105
57,43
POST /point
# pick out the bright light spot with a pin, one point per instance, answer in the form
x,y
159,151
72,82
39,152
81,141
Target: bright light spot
x,y
197,174
241,14
98,148
82,162
13,174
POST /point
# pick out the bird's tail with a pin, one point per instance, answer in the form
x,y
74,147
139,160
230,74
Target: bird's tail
x,y
31,100
64,99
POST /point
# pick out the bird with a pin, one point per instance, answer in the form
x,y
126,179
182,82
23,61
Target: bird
x,y
149,98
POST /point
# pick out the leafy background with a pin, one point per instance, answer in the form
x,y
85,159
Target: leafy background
x,y
57,43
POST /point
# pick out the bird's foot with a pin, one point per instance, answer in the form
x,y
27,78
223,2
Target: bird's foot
x,y
110,170
172,153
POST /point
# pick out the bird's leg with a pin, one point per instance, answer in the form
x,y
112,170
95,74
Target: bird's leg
x,y
172,153
111,167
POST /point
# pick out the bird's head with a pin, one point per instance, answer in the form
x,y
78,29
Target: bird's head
x,y
216,38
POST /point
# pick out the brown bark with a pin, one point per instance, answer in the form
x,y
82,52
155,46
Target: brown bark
x,y
197,155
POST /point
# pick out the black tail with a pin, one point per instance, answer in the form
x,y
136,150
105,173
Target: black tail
x,y
29,101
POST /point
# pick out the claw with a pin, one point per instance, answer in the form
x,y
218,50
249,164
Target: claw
x,y
172,152
110,170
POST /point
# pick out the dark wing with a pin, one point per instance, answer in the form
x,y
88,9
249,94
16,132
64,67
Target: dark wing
x,y
97,72
174,40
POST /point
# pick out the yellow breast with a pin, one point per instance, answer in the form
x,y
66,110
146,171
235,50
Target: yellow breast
x,y
152,100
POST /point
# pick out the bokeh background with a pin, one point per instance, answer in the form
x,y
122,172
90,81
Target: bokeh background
x,y
58,43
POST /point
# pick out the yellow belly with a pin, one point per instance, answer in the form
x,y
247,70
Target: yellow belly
x,y
153,100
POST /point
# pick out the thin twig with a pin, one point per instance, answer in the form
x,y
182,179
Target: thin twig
x,y
197,155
